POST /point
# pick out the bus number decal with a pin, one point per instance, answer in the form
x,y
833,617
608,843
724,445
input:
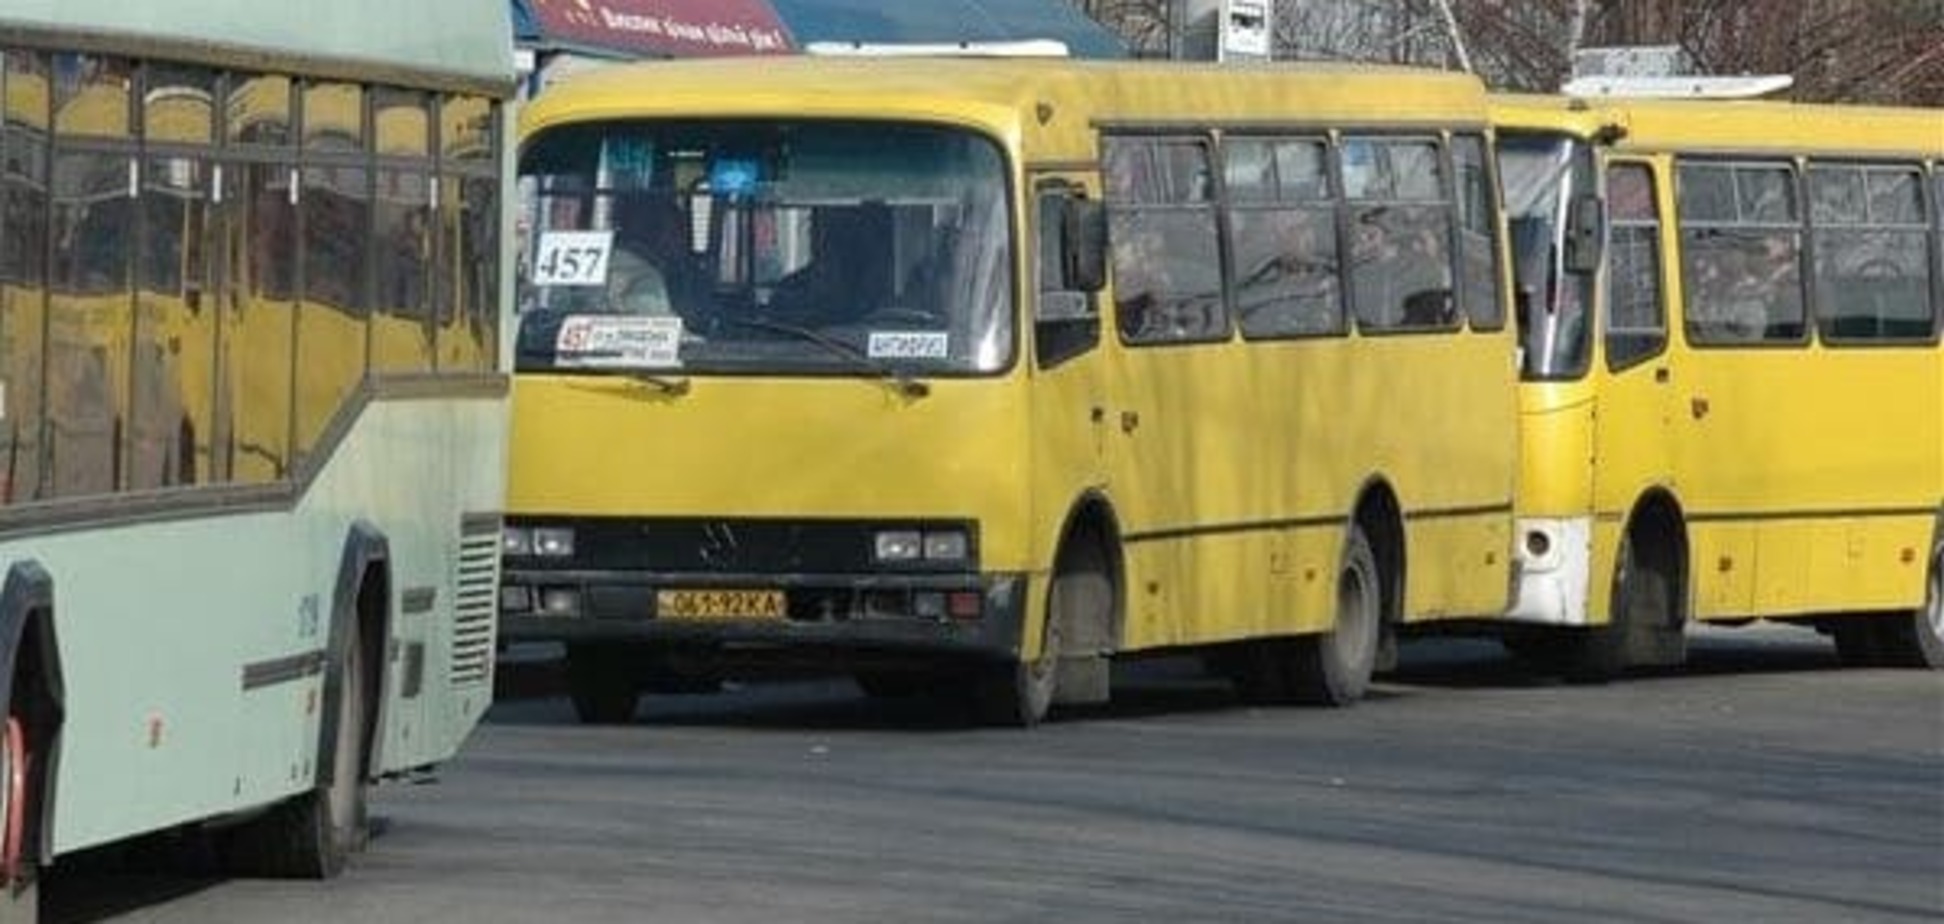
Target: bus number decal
x,y
909,345
572,258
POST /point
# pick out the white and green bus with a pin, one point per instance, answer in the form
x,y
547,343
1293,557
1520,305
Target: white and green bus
x,y
252,414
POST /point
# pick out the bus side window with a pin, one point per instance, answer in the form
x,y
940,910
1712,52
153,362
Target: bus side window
x,y
1636,320
1871,270
1066,318
1741,248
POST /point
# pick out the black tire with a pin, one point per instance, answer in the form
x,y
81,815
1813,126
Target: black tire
x,y
1916,639
1643,606
314,835
1019,694
602,685
1334,668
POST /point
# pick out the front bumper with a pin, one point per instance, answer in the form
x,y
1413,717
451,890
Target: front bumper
x,y
876,613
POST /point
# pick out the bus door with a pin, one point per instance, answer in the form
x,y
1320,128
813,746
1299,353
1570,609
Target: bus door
x,y
1069,398
1635,372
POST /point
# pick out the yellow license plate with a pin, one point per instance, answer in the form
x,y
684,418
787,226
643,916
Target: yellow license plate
x,y
719,604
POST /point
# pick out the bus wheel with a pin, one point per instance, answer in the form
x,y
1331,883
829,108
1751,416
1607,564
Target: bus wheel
x,y
601,682
18,899
1020,693
1917,639
312,836
1334,668
1643,626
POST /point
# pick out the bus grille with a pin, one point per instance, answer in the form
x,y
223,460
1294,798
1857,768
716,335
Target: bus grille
x,y
476,601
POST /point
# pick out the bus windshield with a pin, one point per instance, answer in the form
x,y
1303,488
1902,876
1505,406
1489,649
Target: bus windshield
x,y
764,247
1540,175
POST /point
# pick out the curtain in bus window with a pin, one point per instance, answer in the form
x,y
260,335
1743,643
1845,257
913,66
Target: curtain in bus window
x,y
1161,221
1401,270
259,323
1872,271
24,77
1741,240
1282,233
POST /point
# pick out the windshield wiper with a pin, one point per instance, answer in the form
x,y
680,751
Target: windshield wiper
x,y
903,382
672,386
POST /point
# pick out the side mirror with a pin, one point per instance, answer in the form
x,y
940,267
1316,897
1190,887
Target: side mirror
x,y
1084,245
1585,234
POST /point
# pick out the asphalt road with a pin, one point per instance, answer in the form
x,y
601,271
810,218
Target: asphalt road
x,y
1760,784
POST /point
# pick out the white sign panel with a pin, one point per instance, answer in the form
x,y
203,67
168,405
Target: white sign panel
x,y
572,258
619,341
1245,30
909,345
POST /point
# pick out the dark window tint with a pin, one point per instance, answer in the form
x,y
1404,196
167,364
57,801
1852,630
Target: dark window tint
x,y
1401,266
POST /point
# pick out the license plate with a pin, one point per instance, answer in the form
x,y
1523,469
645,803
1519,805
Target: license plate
x,y
719,604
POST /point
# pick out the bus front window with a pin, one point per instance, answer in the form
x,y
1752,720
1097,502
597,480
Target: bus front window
x,y
764,247
1541,175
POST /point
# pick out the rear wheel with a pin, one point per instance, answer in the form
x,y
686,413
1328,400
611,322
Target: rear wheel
x,y
601,682
1333,669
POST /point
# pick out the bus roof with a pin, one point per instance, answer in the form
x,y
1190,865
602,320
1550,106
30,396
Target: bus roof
x,y
1752,126
1052,106
464,42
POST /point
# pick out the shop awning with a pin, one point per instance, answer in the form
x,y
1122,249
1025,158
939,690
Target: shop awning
x,y
692,28
651,28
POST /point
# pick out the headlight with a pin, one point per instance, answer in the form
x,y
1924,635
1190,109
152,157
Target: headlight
x,y
898,545
516,541
557,542
945,545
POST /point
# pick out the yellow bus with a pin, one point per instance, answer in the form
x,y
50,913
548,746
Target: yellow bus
x,y
966,376
1733,398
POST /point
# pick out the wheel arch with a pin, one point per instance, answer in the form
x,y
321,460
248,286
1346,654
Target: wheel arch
x,y
1380,516
361,597
1091,518
1657,512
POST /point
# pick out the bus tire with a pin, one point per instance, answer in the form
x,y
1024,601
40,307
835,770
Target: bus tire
x,y
1643,625
1018,694
1916,639
314,835
1334,668
601,684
